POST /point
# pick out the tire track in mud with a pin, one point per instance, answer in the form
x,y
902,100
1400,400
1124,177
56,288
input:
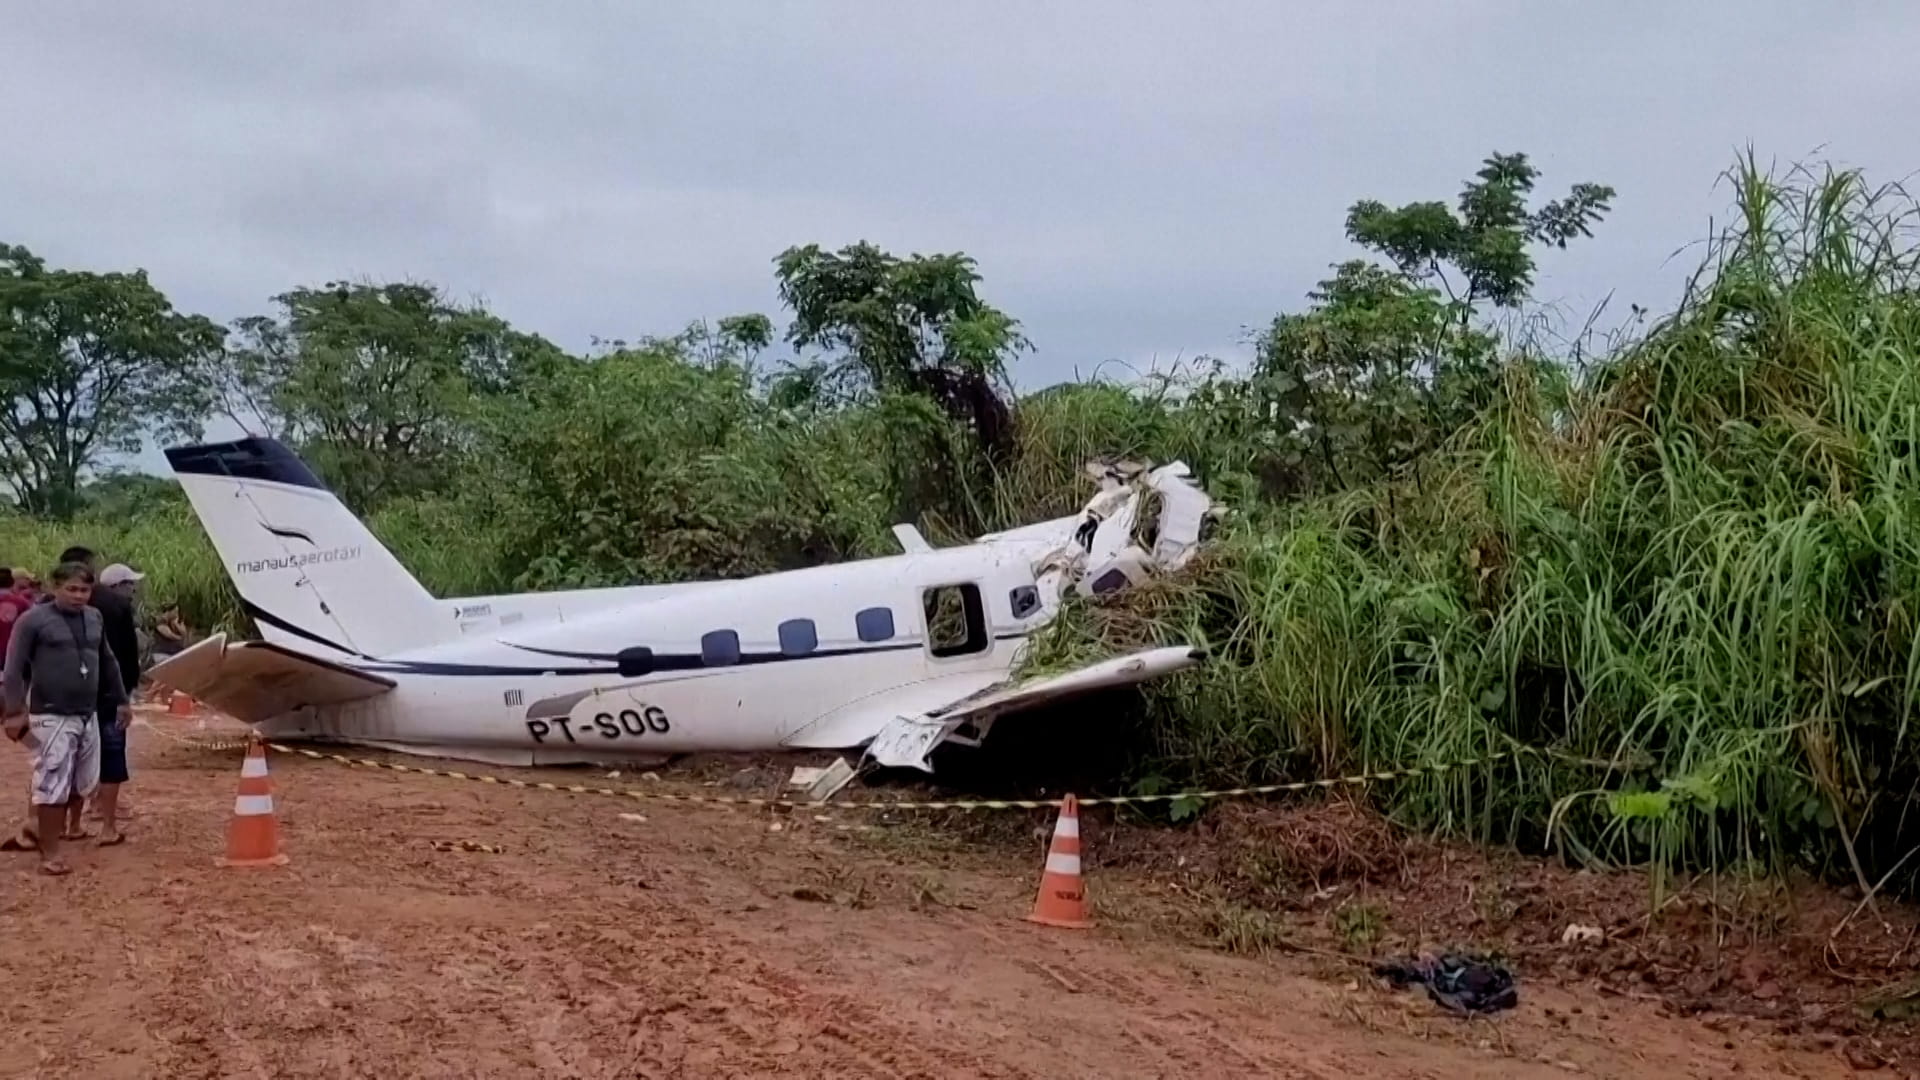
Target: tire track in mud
x,y
594,946
610,1005
709,1005
890,1052
740,1013
1158,1024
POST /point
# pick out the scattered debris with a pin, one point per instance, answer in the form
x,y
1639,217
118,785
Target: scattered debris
x,y
1577,934
638,819
1866,1059
818,784
811,895
1898,1002
467,845
1464,984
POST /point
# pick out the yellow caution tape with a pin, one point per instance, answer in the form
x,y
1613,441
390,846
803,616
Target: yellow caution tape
x,y
195,742
1205,795
933,804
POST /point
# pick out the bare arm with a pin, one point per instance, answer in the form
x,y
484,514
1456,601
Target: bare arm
x,y
113,689
18,650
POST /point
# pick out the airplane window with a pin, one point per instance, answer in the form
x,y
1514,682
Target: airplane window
x,y
956,620
636,661
1024,601
874,624
1108,582
720,648
797,637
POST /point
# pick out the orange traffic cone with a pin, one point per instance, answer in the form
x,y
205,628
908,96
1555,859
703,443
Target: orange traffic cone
x,y
253,837
1063,897
180,705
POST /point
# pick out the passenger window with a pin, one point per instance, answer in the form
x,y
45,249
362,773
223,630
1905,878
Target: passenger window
x,y
797,637
956,620
635,662
874,624
1024,601
720,648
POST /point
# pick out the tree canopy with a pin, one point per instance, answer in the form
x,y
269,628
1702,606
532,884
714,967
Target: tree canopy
x,y
91,363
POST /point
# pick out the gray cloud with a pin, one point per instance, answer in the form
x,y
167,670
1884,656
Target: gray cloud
x,y
1137,180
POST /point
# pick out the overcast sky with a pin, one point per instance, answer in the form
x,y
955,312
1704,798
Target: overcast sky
x,y
1139,181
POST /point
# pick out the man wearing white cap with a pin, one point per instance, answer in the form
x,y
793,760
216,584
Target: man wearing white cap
x,y
115,598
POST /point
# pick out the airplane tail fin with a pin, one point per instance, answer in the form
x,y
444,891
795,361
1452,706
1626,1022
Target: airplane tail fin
x,y
312,576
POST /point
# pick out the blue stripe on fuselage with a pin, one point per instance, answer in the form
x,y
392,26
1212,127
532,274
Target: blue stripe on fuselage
x,y
661,662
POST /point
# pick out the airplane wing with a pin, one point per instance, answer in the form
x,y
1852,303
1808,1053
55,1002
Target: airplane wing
x,y
257,680
906,725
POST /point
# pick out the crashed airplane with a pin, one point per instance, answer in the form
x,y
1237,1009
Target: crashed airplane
x,y
893,655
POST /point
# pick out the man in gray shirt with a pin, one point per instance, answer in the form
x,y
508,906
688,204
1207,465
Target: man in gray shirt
x,y
64,647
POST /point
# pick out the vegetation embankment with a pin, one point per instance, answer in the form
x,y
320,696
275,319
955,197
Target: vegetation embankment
x,y
1693,555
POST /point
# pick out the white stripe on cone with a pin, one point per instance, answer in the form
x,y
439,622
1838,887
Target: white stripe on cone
x,y
1067,826
1062,864
255,805
253,766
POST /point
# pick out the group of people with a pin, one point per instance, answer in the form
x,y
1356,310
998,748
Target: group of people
x,y
72,667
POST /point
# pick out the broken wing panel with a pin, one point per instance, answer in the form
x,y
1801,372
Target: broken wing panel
x,y
855,724
257,680
905,740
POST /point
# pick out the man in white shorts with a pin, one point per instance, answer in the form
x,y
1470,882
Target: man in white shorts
x,y
59,668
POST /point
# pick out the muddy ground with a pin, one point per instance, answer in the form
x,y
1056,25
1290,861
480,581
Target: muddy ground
x,y
611,937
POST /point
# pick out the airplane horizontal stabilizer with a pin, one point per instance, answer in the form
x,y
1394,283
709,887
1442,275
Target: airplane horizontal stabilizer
x,y
906,740
257,680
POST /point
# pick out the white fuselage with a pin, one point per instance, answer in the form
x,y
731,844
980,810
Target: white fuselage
x,y
753,664
892,653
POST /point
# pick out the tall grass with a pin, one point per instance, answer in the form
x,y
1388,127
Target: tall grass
x,y
1706,565
165,541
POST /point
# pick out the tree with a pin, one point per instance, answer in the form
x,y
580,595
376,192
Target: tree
x,y
644,465
1368,379
125,496
915,327
1479,252
91,363
377,383
1384,366
735,340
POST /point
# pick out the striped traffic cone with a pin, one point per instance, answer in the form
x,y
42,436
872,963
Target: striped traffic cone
x,y
253,837
1063,897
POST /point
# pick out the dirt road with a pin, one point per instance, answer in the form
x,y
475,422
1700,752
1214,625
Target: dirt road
x,y
596,945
